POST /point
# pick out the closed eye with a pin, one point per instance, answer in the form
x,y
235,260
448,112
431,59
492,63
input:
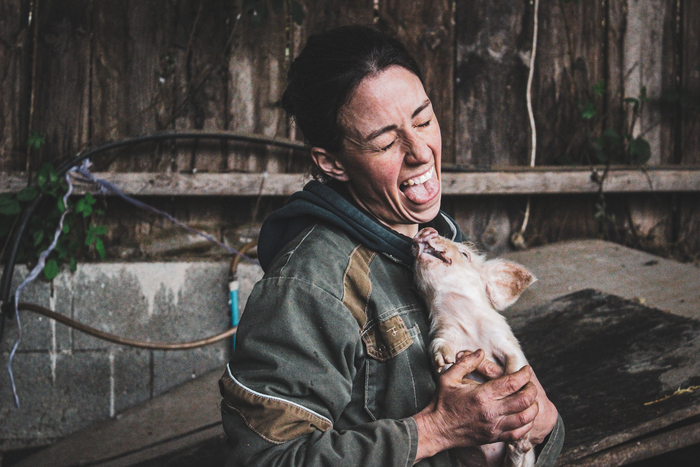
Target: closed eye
x,y
386,148
425,124
466,255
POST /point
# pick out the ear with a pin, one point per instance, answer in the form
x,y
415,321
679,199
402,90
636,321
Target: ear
x,y
329,164
505,281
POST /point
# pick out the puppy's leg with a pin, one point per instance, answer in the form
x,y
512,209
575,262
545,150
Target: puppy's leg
x,y
520,453
442,352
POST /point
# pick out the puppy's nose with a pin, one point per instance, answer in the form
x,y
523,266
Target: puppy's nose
x,y
425,234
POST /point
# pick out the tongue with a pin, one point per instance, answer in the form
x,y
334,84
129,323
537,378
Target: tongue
x,y
424,192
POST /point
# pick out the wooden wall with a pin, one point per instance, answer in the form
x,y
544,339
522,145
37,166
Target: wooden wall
x,y
84,72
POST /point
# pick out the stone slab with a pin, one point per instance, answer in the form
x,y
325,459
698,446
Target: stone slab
x,y
568,267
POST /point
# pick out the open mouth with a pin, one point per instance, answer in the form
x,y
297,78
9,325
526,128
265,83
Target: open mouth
x,y
418,180
427,246
422,189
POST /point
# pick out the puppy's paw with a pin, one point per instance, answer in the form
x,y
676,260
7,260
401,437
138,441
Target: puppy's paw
x,y
443,354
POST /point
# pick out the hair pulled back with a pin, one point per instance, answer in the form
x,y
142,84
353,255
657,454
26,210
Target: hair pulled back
x,y
327,71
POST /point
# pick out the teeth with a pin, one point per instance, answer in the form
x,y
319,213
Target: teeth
x,y
420,180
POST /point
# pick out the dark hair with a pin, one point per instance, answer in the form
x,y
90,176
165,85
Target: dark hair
x,y
327,71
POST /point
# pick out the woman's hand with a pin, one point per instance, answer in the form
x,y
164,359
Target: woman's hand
x,y
464,413
547,416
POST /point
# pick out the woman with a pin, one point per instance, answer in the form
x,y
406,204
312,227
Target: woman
x,y
331,366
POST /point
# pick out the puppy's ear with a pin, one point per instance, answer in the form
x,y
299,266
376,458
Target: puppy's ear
x,y
505,281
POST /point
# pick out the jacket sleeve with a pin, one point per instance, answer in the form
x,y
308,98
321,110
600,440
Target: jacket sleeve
x,y
297,354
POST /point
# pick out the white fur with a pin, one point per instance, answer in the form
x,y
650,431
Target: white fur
x,y
464,292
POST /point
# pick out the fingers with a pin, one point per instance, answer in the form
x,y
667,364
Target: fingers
x,y
490,370
512,383
466,363
516,421
487,368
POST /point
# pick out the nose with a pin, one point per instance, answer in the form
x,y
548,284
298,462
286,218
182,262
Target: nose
x,y
417,150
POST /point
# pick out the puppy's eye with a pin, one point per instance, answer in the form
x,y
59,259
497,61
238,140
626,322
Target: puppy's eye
x,y
466,255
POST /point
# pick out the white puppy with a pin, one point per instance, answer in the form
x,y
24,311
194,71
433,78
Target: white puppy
x,y
463,292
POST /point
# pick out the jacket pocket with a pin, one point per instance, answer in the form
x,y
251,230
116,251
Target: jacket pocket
x,y
398,379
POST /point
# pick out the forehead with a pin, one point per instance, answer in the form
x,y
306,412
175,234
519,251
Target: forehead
x,y
386,98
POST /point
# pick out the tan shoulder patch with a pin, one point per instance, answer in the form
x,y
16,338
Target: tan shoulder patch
x,y
272,418
357,286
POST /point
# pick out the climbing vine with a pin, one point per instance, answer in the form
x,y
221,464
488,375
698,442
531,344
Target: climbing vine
x,y
81,233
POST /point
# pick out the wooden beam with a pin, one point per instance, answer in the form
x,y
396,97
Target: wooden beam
x,y
547,180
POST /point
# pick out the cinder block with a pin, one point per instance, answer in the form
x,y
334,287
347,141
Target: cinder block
x,y
172,368
162,302
195,304
39,333
57,396
109,298
131,377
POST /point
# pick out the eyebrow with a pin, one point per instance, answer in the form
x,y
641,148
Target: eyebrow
x,y
383,130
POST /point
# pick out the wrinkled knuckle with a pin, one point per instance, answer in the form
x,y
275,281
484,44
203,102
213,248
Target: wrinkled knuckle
x,y
512,385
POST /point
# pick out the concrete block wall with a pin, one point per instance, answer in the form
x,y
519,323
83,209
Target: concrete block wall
x,y
67,380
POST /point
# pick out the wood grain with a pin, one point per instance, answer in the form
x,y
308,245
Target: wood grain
x,y
15,68
427,29
506,182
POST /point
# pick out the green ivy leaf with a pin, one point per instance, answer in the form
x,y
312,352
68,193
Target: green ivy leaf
x,y
588,111
42,178
61,251
73,263
640,150
27,194
9,206
38,236
61,207
36,140
599,88
66,227
297,10
100,248
51,269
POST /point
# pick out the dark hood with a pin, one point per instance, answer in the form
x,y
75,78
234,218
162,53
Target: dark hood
x,y
319,202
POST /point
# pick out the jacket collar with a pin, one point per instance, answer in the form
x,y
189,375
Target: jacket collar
x,y
320,202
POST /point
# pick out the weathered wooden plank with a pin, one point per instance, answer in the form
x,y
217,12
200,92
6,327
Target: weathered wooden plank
x,y
427,29
320,16
570,60
607,363
690,83
574,181
61,89
507,182
491,123
256,68
133,77
200,52
644,66
15,67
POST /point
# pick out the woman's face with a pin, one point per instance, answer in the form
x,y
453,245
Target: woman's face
x,y
391,152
